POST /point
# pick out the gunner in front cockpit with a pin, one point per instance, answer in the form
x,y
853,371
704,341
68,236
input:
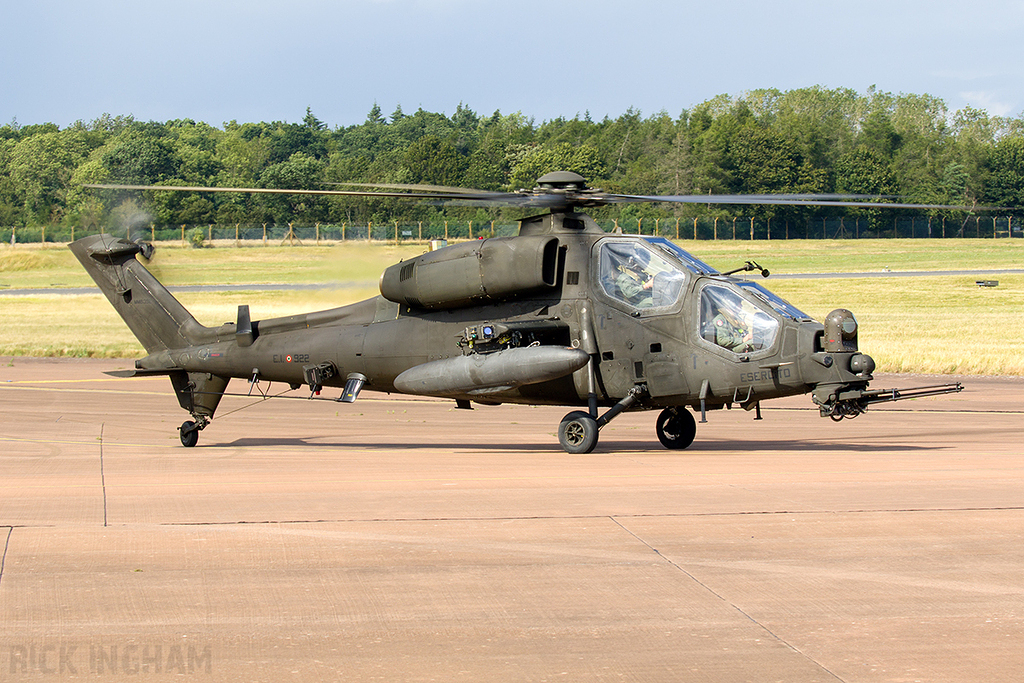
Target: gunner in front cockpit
x,y
731,333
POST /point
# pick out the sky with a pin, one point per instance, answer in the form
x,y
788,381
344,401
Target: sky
x,y
215,61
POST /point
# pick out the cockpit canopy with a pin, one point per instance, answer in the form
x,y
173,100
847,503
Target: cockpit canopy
x,y
634,273
652,273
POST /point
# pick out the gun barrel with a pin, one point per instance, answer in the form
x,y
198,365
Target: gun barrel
x,y
890,395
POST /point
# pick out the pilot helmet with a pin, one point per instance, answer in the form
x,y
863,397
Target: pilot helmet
x,y
639,259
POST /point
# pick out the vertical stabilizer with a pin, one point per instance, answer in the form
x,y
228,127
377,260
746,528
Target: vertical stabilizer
x,y
154,316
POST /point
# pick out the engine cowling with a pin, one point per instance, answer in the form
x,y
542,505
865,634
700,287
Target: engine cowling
x,y
472,273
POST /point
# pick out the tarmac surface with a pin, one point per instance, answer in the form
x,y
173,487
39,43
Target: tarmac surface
x,y
398,539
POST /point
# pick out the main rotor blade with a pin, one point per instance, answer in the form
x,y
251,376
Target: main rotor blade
x,y
424,188
791,200
559,200
272,190
456,196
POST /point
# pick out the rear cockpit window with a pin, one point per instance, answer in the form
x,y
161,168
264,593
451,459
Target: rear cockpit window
x,y
634,274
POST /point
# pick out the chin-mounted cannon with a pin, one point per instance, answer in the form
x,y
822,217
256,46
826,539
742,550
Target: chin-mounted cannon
x,y
839,404
848,400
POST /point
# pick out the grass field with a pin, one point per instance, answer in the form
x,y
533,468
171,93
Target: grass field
x,y
944,325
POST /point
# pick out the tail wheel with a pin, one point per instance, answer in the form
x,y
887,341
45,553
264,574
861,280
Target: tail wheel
x,y
577,433
189,432
676,428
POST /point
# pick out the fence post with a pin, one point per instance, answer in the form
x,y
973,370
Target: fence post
x,y
369,231
318,234
471,230
183,234
264,234
751,228
421,231
152,233
677,228
695,228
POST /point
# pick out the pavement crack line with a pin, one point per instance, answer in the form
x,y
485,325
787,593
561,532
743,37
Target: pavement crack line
x,y
103,478
521,518
728,602
3,558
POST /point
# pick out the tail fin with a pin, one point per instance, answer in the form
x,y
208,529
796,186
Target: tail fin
x,y
154,316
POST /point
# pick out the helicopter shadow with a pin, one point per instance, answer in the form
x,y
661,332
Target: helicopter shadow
x,y
605,447
775,446
316,442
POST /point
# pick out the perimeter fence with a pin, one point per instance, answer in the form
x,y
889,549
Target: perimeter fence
x,y
701,228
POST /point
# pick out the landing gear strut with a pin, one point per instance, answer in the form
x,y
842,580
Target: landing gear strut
x,y
189,431
577,432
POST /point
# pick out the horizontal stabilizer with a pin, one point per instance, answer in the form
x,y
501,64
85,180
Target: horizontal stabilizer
x,y
139,372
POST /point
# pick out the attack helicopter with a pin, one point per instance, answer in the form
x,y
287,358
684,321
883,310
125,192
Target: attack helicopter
x,y
561,314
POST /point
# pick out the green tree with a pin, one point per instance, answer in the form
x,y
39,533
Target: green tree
x,y
41,167
1006,173
140,155
301,171
434,161
535,162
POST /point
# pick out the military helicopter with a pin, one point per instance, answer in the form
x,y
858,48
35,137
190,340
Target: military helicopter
x,y
561,314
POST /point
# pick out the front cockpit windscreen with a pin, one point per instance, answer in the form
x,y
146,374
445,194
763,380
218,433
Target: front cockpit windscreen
x,y
732,322
634,273
775,301
692,263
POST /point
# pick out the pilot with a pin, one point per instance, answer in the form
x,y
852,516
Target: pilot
x,y
634,282
730,333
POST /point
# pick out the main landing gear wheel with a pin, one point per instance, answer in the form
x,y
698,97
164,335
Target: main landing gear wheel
x,y
189,432
676,428
577,433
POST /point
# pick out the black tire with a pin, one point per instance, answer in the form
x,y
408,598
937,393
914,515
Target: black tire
x,y
189,434
676,428
577,433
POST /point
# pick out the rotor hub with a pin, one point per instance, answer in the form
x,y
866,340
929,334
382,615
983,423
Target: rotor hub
x,y
562,181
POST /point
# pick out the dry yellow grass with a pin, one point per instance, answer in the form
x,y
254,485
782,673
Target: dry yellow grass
x,y
944,325
939,325
86,325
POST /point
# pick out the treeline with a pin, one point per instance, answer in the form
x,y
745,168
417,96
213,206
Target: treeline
x,y
812,140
